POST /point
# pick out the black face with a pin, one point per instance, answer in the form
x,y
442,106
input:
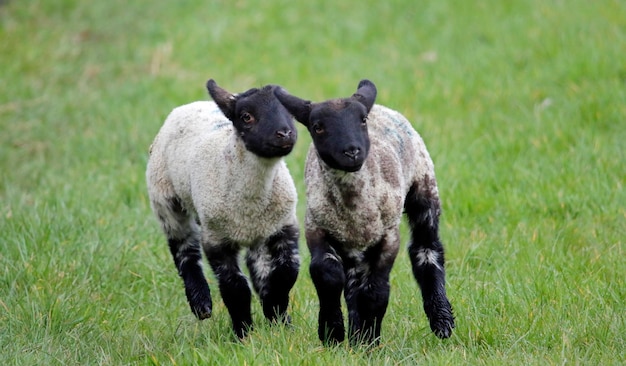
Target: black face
x,y
339,132
338,127
262,122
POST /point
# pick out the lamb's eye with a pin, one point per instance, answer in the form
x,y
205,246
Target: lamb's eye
x,y
247,117
364,121
318,129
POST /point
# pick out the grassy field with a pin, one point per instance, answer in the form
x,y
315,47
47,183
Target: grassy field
x,y
521,103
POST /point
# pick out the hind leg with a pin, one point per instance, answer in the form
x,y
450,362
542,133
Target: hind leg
x,y
274,268
183,237
427,260
223,258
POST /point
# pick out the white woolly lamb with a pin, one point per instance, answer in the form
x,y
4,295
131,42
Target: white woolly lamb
x,y
217,180
365,167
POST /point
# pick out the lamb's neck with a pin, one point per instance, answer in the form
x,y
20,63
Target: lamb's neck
x,y
346,187
257,174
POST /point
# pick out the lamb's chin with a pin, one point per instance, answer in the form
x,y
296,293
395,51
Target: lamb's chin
x,y
342,168
342,176
350,168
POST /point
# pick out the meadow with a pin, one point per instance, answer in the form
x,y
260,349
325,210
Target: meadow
x,y
522,105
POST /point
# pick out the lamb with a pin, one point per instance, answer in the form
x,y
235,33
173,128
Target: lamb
x,y
366,166
217,180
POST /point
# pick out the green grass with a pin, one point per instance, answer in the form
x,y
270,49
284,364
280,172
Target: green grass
x,y
521,103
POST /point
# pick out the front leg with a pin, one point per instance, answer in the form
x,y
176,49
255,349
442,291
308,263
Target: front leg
x,y
328,277
274,268
233,284
367,288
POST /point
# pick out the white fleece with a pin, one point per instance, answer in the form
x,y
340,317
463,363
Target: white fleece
x,y
236,195
360,208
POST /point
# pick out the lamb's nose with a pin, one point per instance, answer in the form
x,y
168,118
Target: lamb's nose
x,y
282,134
352,152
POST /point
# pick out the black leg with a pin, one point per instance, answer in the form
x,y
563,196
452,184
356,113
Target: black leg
x,y
274,268
183,236
328,277
233,285
367,289
187,260
427,259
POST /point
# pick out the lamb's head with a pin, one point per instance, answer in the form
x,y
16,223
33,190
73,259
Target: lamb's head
x,y
338,127
265,126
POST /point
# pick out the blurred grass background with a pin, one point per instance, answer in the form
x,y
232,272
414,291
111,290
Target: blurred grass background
x,y
521,103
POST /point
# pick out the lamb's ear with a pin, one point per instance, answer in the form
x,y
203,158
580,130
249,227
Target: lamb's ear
x,y
366,93
225,100
300,109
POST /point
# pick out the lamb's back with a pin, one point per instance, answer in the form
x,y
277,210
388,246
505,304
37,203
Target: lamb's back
x,y
187,130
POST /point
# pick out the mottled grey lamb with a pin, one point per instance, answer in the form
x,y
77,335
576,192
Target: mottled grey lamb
x,y
217,181
365,167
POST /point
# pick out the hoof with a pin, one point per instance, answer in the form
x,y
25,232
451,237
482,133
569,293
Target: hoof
x,y
200,302
441,317
442,325
242,330
202,311
202,314
331,337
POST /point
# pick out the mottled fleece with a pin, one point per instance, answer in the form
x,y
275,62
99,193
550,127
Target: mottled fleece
x,y
372,199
